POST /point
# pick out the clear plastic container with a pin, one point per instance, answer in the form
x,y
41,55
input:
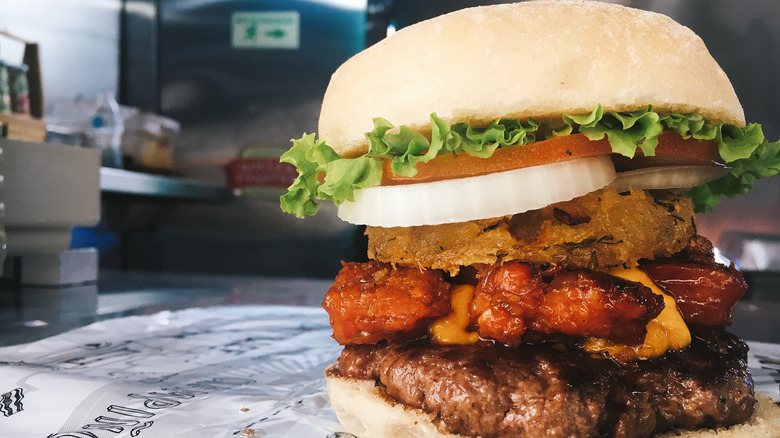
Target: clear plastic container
x,y
107,130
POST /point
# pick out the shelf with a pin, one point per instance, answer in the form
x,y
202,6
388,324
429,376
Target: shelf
x,y
127,182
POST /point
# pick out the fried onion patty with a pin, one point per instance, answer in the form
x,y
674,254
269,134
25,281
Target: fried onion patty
x,y
597,231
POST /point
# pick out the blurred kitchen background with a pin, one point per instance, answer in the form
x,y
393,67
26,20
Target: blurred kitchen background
x,y
210,92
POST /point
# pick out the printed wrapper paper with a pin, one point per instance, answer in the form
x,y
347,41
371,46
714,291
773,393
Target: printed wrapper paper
x,y
248,371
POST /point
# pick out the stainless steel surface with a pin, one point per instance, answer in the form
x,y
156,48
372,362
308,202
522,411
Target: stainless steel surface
x,y
144,184
756,320
32,313
70,267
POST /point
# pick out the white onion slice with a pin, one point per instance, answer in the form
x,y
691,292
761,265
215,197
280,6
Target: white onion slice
x,y
478,197
667,177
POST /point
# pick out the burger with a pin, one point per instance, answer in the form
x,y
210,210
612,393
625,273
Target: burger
x,y
528,177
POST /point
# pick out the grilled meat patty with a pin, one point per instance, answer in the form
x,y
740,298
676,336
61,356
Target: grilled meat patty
x,y
549,390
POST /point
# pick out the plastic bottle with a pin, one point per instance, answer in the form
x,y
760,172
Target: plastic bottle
x,y
107,129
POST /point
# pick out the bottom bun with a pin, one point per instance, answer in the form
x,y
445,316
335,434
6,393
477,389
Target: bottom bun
x,y
366,412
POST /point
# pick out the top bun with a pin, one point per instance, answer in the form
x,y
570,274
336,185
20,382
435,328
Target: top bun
x,y
531,59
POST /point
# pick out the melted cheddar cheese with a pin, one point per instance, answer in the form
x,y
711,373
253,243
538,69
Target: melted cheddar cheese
x,y
665,332
451,329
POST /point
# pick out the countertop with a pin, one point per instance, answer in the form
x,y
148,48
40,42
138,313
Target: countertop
x,y
30,313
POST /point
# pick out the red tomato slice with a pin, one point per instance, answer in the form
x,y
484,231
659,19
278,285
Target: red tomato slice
x,y
671,149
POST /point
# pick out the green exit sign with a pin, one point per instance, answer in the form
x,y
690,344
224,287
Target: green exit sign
x,y
266,30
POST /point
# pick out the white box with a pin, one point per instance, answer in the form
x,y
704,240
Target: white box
x,y
47,189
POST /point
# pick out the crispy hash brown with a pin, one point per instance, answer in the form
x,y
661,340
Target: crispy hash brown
x,y
596,231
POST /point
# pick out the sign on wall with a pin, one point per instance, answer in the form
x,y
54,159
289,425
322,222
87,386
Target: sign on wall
x,y
266,30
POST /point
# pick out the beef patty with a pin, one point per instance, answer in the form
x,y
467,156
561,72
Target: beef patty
x,y
550,390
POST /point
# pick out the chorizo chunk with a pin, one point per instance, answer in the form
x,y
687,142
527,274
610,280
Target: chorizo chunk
x,y
513,298
705,292
370,302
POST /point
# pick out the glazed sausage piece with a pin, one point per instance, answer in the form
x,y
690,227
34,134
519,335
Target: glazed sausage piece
x,y
370,302
705,292
513,298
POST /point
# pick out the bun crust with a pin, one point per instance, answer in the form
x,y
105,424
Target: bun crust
x,y
530,59
366,412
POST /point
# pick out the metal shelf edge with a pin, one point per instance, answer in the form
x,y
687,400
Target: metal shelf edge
x,y
127,182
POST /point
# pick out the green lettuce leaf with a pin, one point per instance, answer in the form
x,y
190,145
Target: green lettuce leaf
x,y
763,162
340,177
304,154
323,175
625,131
